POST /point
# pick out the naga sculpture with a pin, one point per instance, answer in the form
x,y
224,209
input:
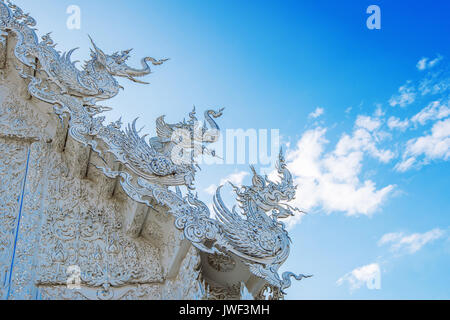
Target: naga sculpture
x,y
255,234
149,166
96,81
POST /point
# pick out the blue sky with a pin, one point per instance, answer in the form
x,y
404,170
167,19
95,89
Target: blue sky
x,y
364,116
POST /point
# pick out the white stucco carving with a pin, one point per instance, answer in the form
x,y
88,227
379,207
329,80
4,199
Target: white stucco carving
x,y
77,192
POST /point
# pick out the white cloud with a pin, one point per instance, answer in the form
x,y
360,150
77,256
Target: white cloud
x,y
434,62
401,243
426,63
235,178
434,83
331,180
379,112
406,164
371,124
396,123
406,96
422,64
365,275
317,113
434,145
365,138
436,110
430,147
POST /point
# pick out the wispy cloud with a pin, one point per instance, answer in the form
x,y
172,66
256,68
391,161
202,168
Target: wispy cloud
x,y
366,275
396,123
368,123
317,113
433,146
405,165
399,243
406,96
434,82
409,244
430,144
436,110
367,138
426,63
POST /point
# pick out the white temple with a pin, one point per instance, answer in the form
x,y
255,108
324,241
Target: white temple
x,y
94,211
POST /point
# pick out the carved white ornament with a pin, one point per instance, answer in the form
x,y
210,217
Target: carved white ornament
x,y
255,235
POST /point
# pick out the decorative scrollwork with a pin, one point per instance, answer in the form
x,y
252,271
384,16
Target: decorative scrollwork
x,y
255,234
78,91
149,166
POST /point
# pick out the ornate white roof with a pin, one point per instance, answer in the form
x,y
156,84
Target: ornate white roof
x,y
255,235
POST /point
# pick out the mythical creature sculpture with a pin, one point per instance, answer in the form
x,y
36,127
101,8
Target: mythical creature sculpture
x,y
255,234
93,83
57,80
168,158
96,81
189,133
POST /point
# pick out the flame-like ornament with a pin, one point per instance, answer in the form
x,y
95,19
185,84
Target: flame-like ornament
x,y
255,234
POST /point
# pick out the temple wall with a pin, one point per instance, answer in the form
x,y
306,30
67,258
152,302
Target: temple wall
x,y
58,214
90,210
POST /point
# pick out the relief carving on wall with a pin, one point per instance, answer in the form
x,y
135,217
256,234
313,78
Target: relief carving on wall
x,y
23,276
139,292
19,121
87,233
176,289
78,230
12,175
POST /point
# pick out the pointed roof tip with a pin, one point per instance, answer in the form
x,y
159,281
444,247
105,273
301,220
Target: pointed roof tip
x,y
282,155
93,43
232,184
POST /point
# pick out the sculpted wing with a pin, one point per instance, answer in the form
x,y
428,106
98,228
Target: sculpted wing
x,y
138,153
163,130
244,235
